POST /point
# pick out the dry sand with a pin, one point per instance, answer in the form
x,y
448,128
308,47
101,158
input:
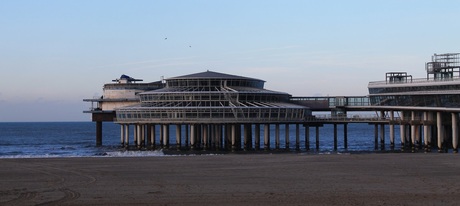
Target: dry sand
x,y
255,179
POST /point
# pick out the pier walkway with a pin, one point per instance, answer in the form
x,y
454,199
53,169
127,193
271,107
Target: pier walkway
x,y
219,109
325,110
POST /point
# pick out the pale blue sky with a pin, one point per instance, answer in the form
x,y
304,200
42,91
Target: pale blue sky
x,y
55,53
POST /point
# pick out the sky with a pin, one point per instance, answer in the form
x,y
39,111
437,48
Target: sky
x,y
54,54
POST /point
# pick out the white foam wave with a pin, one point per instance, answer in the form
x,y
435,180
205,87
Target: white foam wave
x,y
34,156
155,153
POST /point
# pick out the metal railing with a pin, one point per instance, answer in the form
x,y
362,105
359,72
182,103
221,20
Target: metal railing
x,y
347,118
418,80
324,102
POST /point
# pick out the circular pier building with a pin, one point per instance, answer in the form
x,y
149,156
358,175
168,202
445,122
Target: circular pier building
x,y
210,110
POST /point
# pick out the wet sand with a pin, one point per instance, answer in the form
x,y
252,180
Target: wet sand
x,y
255,179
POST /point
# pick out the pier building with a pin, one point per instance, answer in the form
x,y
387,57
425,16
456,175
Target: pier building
x,y
123,92
213,108
431,103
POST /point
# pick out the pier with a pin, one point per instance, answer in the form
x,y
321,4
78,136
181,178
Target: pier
x,y
215,111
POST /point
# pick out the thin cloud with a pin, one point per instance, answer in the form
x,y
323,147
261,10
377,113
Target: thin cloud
x,y
171,64
266,49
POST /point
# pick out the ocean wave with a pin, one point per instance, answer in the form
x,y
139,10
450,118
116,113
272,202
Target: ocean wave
x,y
127,153
33,156
156,153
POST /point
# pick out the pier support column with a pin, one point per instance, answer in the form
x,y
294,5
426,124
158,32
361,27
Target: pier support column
x,y
166,136
186,136
250,136
267,136
418,139
440,130
215,134
247,136
122,134
402,130
143,135
228,136
382,136
233,136
147,135
219,136
286,136
205,134
257,136
192,136
382,131
335,137
198,135
297,136
212,136
277,136
376,136
135,136
413,131
161,135
392,130
139,136
345,135
426,131
307,137
178,136
152,136
98,133
455,132
317,137
126,136
238,136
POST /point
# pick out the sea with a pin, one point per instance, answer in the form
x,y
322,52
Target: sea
x,y
77,139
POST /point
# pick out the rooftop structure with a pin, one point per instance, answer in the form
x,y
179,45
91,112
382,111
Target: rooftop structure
x,y
444,66
126,79
120,94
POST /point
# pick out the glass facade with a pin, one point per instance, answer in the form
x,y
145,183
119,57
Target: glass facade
x,y
440,100
409,88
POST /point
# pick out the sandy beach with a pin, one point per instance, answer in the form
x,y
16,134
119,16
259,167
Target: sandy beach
x,y
255,179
